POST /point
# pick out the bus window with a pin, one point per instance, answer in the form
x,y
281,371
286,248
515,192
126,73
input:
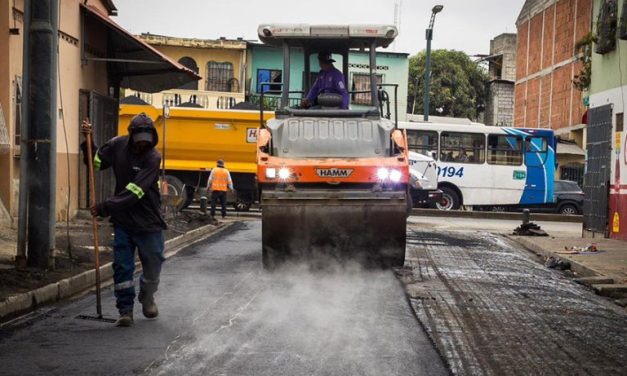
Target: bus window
x,y
536,150
462,147
505,150
537,144
423,142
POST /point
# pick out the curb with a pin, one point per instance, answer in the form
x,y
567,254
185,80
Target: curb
x,y
579,268
23,303
538,217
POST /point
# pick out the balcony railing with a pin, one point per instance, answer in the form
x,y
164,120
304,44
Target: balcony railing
x,y
212,100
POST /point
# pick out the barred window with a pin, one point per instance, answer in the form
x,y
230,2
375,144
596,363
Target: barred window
x,y
361,82
219,76
190,63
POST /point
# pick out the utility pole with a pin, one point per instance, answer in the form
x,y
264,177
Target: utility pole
x,y
39,152
429,35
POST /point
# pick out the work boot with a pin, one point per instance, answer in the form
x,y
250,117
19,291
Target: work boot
x,y
125,320
149,307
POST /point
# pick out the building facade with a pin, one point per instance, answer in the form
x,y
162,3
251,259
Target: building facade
x,y
606,174
502,70
93,63
265,64
547,62
220,62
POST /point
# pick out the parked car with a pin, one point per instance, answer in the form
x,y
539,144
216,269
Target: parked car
x,y
568,201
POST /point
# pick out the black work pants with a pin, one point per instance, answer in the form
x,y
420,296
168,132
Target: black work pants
x,y
218,196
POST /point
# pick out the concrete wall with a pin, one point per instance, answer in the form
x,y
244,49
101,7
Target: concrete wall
x,y
505,46
500,108
72,77
502,68
546,63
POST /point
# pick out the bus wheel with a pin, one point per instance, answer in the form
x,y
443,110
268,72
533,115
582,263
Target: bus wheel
x,y
450,200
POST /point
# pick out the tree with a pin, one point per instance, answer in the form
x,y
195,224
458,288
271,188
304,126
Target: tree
x,y
459,87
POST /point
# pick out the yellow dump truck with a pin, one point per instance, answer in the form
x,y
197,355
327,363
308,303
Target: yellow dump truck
x,y
195,138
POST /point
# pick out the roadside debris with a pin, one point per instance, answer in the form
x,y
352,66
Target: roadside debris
x,y
557,263
528,228
574,250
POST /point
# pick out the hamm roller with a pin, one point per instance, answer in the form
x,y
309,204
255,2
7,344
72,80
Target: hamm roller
x,y
333,182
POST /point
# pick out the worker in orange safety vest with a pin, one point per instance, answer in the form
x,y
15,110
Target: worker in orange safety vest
x,y
219,183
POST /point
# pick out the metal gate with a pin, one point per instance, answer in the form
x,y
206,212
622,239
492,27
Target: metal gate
x,y
103,114
598,169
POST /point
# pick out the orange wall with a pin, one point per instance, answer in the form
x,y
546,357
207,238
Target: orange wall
x,y
546,66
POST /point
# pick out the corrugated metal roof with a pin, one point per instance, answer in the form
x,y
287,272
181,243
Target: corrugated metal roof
x,y
140,66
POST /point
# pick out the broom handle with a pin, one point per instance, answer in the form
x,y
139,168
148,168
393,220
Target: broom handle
x,y
94,221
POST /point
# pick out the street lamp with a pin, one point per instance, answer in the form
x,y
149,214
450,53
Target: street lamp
x,y
429,35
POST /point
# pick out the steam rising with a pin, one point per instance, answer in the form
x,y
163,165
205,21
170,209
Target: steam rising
x,y
298,321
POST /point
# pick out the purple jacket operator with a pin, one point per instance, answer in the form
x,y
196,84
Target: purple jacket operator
x,y
329,80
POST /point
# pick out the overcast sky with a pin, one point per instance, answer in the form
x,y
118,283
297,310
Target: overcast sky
x,y
466,25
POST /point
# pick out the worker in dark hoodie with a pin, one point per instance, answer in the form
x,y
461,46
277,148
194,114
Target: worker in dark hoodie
x,y
135,213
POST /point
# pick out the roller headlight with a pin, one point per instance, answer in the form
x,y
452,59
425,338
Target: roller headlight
x,y
270,173
395,176
284,173
383,173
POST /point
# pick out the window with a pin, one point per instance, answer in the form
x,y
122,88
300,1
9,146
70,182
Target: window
x,y
190,63
566,186
423,142
573,172
536,148
536,144
269,75
504,150
361,82
219,76
462,147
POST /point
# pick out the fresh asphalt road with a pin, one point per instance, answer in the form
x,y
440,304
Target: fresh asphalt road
x,y
221,314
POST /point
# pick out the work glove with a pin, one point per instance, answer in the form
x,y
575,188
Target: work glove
x,y
99,210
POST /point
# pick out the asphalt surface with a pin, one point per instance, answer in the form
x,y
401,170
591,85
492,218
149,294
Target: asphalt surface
x,y
221,314
492,309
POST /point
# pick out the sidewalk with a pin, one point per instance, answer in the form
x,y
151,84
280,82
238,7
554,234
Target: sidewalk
x,y
24,290
610,261
605,271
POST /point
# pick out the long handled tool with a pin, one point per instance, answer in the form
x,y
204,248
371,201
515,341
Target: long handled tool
x,y
94,223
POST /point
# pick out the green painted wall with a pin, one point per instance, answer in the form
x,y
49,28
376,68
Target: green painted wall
x,y
606,73
395,68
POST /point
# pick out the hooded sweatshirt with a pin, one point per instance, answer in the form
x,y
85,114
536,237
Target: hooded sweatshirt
x,y
135,205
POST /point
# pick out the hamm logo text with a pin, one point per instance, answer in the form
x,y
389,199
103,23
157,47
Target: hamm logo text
x,y
334,172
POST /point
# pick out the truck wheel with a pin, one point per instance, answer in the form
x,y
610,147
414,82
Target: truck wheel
x,y
450,200
176,195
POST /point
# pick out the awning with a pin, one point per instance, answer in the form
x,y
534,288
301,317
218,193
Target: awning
x,y
568,148
139,66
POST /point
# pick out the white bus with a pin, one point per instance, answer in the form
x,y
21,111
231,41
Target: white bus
x,y
481,165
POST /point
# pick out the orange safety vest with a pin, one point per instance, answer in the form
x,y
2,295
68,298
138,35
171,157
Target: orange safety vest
x,y
220,181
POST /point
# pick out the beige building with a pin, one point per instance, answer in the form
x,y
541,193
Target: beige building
x,y
96,58
221,63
